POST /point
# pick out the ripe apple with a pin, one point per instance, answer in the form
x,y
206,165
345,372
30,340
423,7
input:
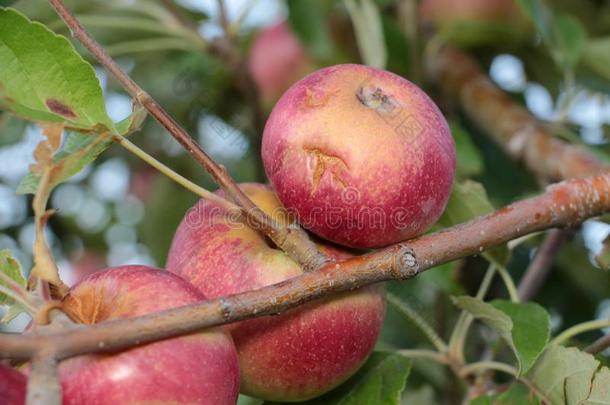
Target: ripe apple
x,y
294,356
200,368
277,59
361,156
12,386
476,22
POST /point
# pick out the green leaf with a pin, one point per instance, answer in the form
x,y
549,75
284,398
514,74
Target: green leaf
x,y
530,332
563,34
469,159
80,149
43,78
368,27
524,327
539,14
596,56
516,394
10,267
570,38
380,381
422,395
308,20
492,317
467,201
568,376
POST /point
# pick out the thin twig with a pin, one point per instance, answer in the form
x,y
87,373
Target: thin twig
x,y
183,181
508,283
418,321
465,319
563,204
599,345
293,240
578,329
223,17
539,268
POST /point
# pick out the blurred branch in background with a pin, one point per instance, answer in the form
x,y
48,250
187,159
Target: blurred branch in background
x,y
506,121
539,268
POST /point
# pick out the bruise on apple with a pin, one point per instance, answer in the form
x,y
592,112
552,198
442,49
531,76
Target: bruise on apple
x,y
376,134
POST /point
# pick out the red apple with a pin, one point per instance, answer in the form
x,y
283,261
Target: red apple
x,y
200,368
363,157
12,386
476,22
294,356
277,59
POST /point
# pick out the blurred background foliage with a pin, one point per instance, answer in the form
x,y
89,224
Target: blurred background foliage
x,y
120,211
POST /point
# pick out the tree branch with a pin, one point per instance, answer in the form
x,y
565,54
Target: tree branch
x,y
293,240
508,122
563,204
599,345
43,387
539,268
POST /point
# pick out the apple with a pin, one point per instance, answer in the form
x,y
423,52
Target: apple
x,y
277,59
294,356
12,386
361,156
200,368
476,22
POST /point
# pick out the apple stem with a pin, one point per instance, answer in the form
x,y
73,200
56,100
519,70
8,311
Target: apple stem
x,y
294,241
181,180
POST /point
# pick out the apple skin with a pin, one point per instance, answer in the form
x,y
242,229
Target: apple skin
x,y
361,156
476,22
200,368
294,356
12,386
277,59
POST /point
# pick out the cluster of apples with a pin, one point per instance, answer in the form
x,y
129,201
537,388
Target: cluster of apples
x,y
358,156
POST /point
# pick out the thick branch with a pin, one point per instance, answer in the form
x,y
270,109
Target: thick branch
x,y
563,204
508,122
44,387
539,268
293,240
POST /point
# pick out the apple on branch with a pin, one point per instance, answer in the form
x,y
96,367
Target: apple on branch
x,y
199,368
294,356
12,386
361,156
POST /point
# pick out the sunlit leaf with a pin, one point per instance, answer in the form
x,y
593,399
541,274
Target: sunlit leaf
x,y
43,78
524,326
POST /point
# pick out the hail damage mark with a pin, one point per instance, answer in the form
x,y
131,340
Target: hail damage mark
x,y
60,108
317,98
326,162
374,98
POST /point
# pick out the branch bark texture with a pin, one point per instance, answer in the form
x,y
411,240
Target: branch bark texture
x,y
563,204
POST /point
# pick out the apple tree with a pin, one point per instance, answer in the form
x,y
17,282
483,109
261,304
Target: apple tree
x,y
322,201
